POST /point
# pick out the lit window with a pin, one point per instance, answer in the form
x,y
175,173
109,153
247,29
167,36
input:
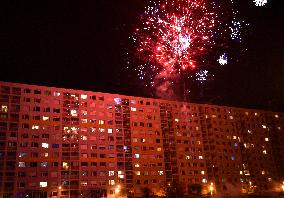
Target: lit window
x,y
101,130
137,165
101,122
264,152
187,157
176,120
266,139
263,172
121,176
263,126
45,118
84,183
133,109
202,172
110,173
204,180
65,165
84,96
84,112
234,137
137,172
44,145
43,184
84,121
109,130
4,108
23,154
136,155
241,172
22,164
111,182
231,117
117,100
143,140
44,164
159,149
56,93
84,137
35,127
74,112
256,114
200,157
276,116
249,131
160,172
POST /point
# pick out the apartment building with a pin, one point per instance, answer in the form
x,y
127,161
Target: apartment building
x,y
57,142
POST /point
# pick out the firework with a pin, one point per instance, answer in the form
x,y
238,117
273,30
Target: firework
x,y
260,2
176,38
223,59
202,76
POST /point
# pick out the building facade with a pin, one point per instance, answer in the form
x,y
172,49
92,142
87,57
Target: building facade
x,y
57,142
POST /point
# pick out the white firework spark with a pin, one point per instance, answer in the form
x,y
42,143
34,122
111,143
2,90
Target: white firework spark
x,y
260,2
202,76
223,59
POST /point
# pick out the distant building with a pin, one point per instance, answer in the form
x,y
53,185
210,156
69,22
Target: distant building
x,y
58,142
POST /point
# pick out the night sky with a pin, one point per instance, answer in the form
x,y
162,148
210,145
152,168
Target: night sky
x,y
83,45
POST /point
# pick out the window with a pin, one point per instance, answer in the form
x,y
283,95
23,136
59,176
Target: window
x,y
37,92
44,164
117,100
4,108
22,164
45,118
110,173
264,152
44,145
84,96
204,180
23,154
35,127
136,156
55,145
43,184
111,182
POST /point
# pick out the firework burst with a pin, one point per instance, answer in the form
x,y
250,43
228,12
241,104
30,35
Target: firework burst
x,y
179,38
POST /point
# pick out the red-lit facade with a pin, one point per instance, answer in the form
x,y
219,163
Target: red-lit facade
x,y
57,142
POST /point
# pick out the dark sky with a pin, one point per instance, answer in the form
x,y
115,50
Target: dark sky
x,y
82,45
